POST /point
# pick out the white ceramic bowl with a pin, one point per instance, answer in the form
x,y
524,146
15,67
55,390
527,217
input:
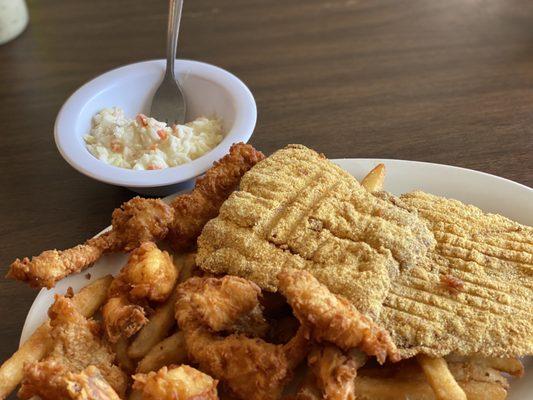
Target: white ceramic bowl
x,y
209,91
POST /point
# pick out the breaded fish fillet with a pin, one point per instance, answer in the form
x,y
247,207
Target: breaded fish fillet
x,y
441,276
473,294
297,209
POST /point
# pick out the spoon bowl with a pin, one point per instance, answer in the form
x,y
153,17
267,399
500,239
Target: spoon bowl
x,y
168,104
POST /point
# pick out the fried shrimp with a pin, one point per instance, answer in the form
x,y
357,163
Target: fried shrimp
x,y
136,221
250,367
331,318
149,275
176,383
228,304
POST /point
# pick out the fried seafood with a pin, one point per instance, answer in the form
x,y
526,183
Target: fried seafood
x,y
143,220
51,266
140,220
473,293
89,384
122,318
176,383
296,209
229,304
136,221
149,275
334,372
76,345
331,318
53,381
194,209
250,367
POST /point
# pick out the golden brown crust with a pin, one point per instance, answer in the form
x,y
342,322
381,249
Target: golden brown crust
x,y
250,367
136,221
122,318
228,304
149,273
140,220
194,209
298,210
89,384
176,383
333,319
76,345
489,261
335,371
50,266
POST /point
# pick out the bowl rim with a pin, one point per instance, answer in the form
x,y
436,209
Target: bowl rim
x,y
83,161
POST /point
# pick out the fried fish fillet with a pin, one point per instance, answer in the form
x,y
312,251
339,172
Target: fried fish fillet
x,y
473,293
441,276
297,209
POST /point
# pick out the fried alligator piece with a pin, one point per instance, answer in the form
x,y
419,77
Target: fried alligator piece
x,y
194,209
250,367
77,344
333,319
228,304
122,318
149,275
176,383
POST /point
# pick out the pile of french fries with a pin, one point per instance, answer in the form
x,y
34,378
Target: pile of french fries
x,y
160,343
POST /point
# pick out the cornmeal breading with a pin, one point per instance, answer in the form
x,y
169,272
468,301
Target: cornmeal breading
x,y
441,276
297,209
473,294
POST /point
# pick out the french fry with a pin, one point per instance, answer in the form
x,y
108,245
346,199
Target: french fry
x,y
484,391
32,350
188,267
172,350
440,378
87,301
510,365
163,319
121,351
155,330
373,181
415,389
135,395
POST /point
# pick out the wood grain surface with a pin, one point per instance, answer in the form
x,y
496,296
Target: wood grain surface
x,y
448,82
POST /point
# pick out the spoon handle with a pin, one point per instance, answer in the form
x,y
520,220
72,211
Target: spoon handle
x,y
174,17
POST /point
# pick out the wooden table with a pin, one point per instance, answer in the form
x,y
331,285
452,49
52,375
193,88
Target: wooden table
x,y
448,82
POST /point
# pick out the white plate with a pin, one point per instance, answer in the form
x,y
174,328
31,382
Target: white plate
x,y
489,192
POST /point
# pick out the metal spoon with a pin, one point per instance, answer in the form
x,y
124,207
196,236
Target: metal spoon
x,y
168,104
